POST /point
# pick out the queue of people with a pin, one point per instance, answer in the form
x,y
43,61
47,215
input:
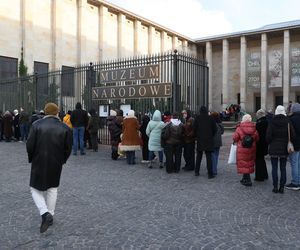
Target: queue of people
x,y
168,135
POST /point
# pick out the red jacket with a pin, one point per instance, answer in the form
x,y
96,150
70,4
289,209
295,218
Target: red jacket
x,y
245,157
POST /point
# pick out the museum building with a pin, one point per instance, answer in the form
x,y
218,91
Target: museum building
x,y
255,68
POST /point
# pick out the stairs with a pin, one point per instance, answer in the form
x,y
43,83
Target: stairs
x,y
229,125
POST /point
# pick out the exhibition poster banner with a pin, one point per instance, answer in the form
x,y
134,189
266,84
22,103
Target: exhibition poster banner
x,y
275,68
295,67
253,69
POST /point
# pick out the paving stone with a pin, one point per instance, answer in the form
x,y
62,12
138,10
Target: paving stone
x,y
105,204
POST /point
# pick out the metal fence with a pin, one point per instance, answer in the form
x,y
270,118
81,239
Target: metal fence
x,y
188,75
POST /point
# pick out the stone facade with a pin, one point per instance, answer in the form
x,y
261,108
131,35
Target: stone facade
x,y
72,32
254,70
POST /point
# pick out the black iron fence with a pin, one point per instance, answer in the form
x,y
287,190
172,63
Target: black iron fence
x,y
188,76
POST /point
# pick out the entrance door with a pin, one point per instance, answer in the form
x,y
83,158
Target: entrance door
x,y
278,100
298,98
257,103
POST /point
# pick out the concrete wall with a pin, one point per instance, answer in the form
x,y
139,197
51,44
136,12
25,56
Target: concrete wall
x,y
71,32
275,43
216,68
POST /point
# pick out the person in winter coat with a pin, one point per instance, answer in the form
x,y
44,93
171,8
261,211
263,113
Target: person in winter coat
x,y
246,137
67,119
130,137
115,129
24,124
261,172
16,118
277,138
79,120
217,142
295,157
153,131
48,146
172,139
145,138
188,140
205,129
93,127
7,124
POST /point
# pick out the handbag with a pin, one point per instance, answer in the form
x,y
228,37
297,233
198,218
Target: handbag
x,y
290,146
232,154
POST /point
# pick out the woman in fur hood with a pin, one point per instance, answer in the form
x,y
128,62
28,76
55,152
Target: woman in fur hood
x,y
130,137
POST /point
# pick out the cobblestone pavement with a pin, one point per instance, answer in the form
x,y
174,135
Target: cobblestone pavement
x,y
104,204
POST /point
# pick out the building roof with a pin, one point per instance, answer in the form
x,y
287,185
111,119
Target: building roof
x,y
266,28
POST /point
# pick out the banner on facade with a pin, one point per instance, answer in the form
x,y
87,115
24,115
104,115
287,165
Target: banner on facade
x,y
253,70
156,90
275,68
130,74
295,67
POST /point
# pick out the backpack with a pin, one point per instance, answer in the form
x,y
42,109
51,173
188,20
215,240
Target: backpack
x,y
247,141
165,134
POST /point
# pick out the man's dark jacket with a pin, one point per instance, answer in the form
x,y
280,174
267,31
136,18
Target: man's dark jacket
x,y
79,117
48,146
205,128
295,120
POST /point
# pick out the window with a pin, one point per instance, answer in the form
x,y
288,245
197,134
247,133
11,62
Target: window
x,y
8,67
67,81
41,69
238,98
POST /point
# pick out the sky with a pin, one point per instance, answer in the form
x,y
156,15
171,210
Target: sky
x,y
201,18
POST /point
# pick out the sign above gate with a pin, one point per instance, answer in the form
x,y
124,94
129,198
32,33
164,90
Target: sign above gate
x,y
130,74
156,90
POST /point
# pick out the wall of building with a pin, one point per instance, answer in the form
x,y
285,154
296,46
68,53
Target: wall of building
x,y
275,70
71,32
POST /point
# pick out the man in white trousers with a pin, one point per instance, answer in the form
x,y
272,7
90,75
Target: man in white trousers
x,y
48,146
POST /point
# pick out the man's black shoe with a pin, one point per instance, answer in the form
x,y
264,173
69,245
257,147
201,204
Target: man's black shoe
x,y
281,190
47,220
275,190
211,177
196,174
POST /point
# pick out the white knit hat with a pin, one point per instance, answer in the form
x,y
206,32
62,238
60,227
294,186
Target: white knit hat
x,y
247,118
280,110
130,113
113,113
16,112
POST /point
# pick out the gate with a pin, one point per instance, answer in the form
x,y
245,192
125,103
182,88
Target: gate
x,y
187,75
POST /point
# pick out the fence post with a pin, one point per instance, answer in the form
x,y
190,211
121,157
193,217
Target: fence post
x,y
35,80
175,82
89,83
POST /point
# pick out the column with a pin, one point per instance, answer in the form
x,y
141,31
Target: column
x,y
137,28
185,46
56,21
151,33
225,81
209,61
121,21
243,77
163,39
264,71
102,12
27,34
174,42
81,27
286,68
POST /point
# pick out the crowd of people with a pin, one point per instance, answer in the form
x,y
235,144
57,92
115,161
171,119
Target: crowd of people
x,y
162,136
276,135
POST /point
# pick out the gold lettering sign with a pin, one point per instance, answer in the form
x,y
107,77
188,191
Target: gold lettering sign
x,y
130,74
156,90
